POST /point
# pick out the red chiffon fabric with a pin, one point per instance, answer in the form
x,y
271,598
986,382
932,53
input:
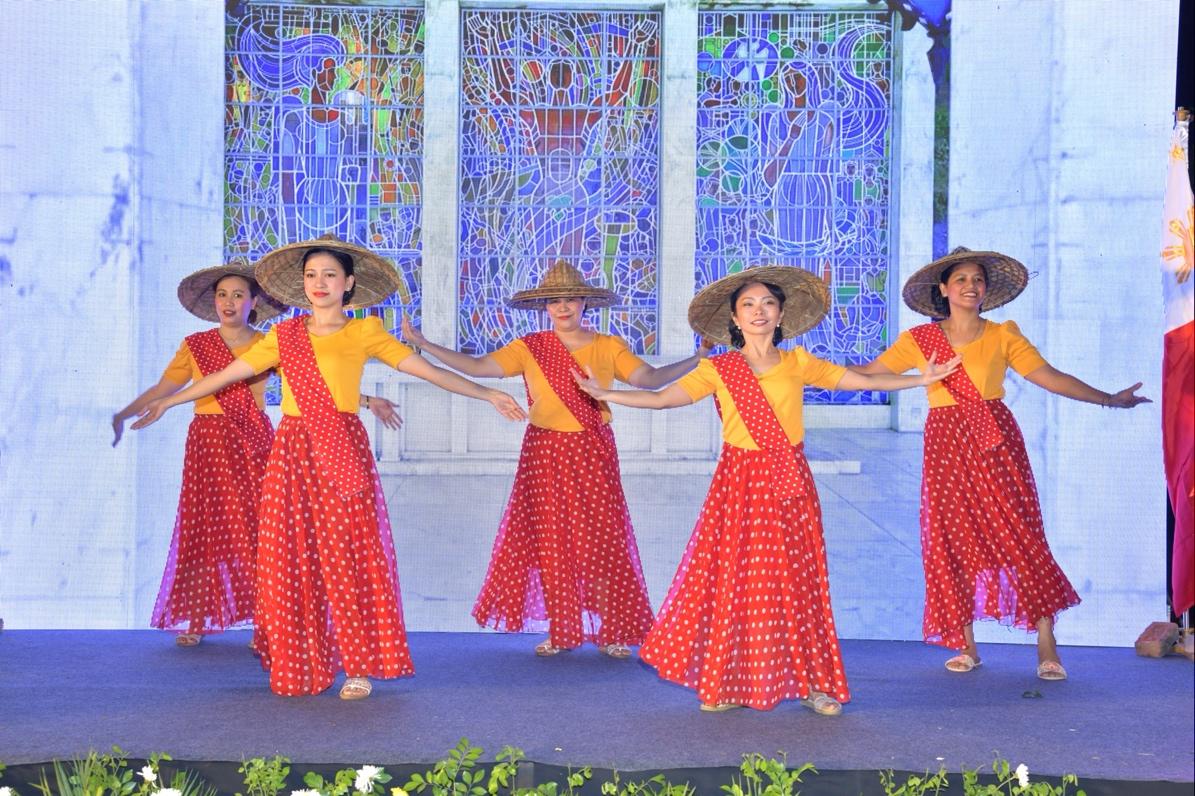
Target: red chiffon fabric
x,y
208,584
748,617
565,559
983,544
327,584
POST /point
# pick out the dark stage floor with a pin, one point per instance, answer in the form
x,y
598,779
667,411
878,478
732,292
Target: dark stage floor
x,y
1119,717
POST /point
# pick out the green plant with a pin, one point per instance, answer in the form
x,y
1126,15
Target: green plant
x,y
767,777
572,782
656,786
455,774
264,777
93,775
1015,782
914,785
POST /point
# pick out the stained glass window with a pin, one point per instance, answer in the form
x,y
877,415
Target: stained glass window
x,y
559,148
794,151
324,132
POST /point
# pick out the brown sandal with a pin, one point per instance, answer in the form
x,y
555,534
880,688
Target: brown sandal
x,y
356,688
619,651
187,639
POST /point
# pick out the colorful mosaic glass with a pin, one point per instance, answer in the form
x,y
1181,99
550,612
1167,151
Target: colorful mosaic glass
x,y
324,133
559,150
794,150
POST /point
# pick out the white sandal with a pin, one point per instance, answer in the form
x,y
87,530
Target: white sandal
x,y
356,688
822,704
962,663
619,651
544,649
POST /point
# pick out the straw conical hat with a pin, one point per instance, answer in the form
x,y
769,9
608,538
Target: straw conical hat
x,y
1006,279
196,292
562,280
806,301
280,273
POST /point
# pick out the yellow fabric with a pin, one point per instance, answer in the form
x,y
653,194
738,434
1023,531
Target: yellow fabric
x,y
341,357
782,385
183,368
985,359
607,356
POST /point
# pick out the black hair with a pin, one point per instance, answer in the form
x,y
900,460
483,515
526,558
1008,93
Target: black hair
x,y
346,263
940,303
736,334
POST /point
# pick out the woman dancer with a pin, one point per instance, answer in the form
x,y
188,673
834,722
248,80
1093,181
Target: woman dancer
x,y
983,544
207,586
747,621
565,556
327,585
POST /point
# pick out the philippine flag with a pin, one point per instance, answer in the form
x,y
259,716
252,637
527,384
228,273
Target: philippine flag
x,y
1178,365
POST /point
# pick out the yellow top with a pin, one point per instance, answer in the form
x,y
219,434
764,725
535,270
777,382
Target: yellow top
x,y
783,385
607,356
985,359
340,356
183,368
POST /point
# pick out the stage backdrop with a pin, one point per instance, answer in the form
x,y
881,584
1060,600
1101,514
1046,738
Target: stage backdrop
x,y
656,147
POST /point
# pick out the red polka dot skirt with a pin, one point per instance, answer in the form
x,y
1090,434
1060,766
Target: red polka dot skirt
x,y
327,584
983,544
565,559
208,586
748,617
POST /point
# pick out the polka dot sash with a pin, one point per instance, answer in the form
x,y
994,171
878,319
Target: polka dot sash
x,y
332,445
977,415
743,386
211,354
558,366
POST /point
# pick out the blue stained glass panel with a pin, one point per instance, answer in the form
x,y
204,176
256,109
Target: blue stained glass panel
x,y
794,148
559,161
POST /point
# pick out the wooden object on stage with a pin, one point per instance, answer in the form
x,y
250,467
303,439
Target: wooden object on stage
x,y
1185,645
1157,640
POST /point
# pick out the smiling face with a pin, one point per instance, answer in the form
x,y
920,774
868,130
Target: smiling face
x,y
964,286
325,282
234,301
757,311
565,313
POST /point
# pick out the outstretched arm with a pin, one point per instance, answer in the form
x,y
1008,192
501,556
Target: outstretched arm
x,y
1066,385
383,410
646,377
872,368
478,367
447,380
888,381
667,398
209,384
163,388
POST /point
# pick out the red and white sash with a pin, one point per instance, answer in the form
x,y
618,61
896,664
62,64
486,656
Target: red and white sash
x,y
558,366
335,454
977,415
212,355
761,421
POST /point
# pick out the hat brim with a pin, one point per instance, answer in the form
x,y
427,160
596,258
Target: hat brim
x,y
197,292
806,301
536,298
280,273
1006,279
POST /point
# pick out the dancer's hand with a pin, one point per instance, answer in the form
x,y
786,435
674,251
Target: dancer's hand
x,y
150,414
590,384
385,411
117,427
704,347
1125,399
412,334
935,372
508,407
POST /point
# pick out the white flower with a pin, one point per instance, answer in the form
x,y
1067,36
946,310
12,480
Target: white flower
x,y
7,791
365,778
1022,773
147,774
168,792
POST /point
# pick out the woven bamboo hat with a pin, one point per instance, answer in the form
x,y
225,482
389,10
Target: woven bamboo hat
x,y
197,291
1006,279
562,280
280,273
806,301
